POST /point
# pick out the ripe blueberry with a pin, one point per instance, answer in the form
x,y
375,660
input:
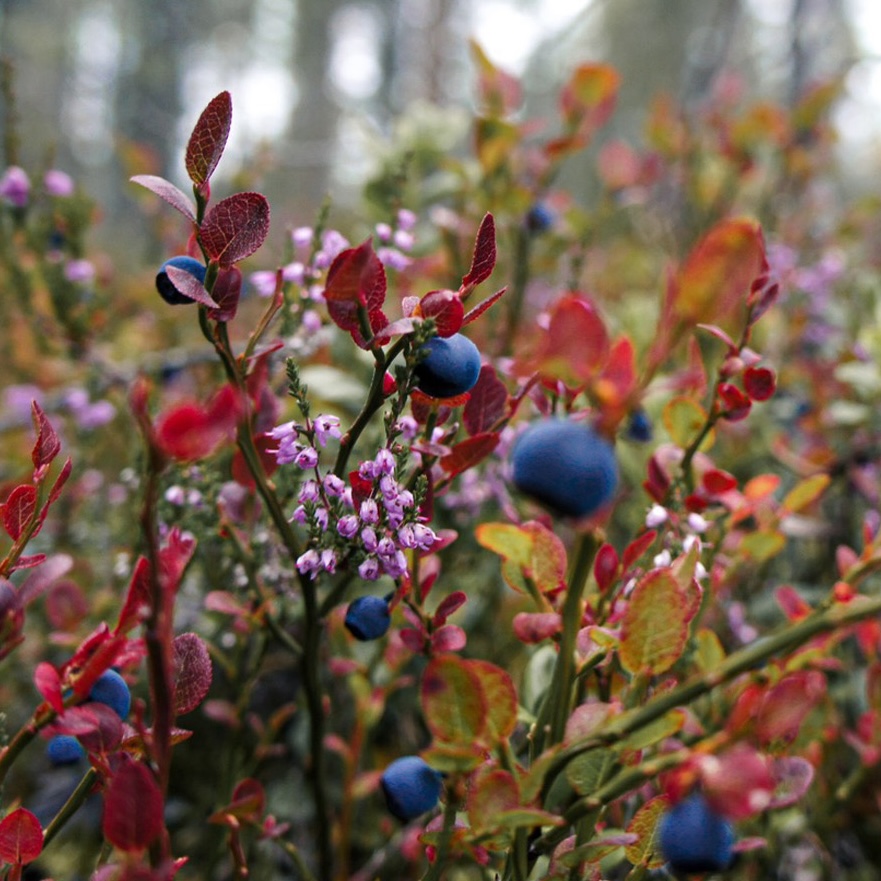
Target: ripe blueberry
x,y
411,787
640,427
450,366
368,617
167,290
111,689
539,218
64,749
694,838
565,465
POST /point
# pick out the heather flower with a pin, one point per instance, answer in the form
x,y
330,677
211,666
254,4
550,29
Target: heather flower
x,y
328,560
263,282
383,232
393,259
294,272
369,569
15,186
369,539
175,495
347,525
326,427
306,458
697,523
369,511
334,486
309,491
656,516
79,271
403,239
302,236
321,518
395,565
406,219
309,563
58,183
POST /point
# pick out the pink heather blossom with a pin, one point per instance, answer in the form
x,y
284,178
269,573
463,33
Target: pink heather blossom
x,y
309,491
404,239
321,517
306,458
175,495
406,219
310,321
294,272
383,232
326,427
395,566
697,523
263,282
302,236
334,486
369,511
81,271
348,525
393,259
385,461
408,427
369,539
309,563
299,515
369,569
328,560
656,516
15,186
58,183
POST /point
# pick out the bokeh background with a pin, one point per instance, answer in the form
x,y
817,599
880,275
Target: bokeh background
x,y
107,88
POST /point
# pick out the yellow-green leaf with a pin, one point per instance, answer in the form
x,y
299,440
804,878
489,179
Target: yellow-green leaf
x,y
805,493
684,418
453,702
761,546
588,771
669,724
646,851
654,629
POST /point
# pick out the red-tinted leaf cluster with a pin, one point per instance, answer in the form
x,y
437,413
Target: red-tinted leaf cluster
x,y
191,431
133,806
21,837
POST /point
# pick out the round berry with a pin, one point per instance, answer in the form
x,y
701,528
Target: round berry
x,y
167,290
539,218
640,427
111,689
450,366
694,838
565,465
368,617
411,787
64,749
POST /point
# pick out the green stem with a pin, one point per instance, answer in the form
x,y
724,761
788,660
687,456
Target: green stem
x,y
71,806
560,692
787,639
438,867
43,715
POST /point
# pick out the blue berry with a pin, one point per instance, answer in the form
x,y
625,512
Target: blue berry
x,y
411,787
368,617
111,689
565,465
639,427
167,290
64,749
450,367
694,838
539,218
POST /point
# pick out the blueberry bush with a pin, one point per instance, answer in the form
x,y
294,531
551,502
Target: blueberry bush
x,y
506,534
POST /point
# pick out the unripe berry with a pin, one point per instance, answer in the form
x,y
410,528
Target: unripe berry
x,y
411,787
450,366
111,689
565,465
167,290
694,838
368,617
64,749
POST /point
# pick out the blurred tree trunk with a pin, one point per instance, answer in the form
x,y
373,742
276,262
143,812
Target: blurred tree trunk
x,y
821,44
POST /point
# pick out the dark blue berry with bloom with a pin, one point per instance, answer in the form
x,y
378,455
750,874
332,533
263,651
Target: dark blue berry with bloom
x,y
694,838
539,218
64,749
640,427
368,617
450,367
112,690
411,787
167,290
565,465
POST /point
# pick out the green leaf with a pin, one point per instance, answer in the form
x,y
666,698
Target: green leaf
x,y
459,758
453,701
709,650
669,724
805,493
490,793
647,851
588,771
761,546
655,625
684,418
500,697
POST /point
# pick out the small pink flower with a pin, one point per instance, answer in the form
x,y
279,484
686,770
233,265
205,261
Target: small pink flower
x,y
58,183
81,271
369,569
15,186
326,426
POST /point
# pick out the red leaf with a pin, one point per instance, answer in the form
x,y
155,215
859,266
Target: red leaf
x,y
534,627
449,638
66,606
448,605
717,482
575,347
37,583
19,510
191,431
189,286
226,292
192,672
759,382
482,306
137,598
168,192
468,453
792,778
446,308
104,729
48,683
784,706
235,228
483,260
588,99
735,404
239,468
55,492
247,805
132,807
208,139
47,445
21,837
488,402
356,279
637,548
605,566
